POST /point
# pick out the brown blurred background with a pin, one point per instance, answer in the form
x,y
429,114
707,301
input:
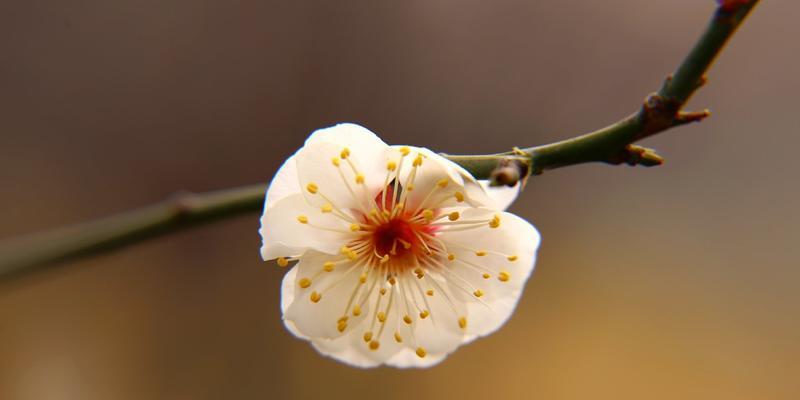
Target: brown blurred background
x,y
664,283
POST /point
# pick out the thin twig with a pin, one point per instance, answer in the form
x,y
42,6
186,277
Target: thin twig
x,y
612,144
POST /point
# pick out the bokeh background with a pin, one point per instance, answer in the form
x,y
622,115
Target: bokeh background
x,y
672,282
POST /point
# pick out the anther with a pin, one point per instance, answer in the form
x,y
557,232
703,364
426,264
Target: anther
x,y
503,276
341,326
407,319
451,256
486,276
367,336
512,258
405,150
462,322
417,161
459,196
453,216
391,165
335,161
442,183
427,214
373,345
282,262
362,278
356,310
424,314
495,222
326,208
421,352
392,281
382,291
302,219
478,293
315,296
398,338
355,227
345,153
384,259
429,292
359,178
480,253
328,266
304,283
312,188
381,316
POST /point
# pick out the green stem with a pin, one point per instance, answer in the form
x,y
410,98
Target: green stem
x,y
612,144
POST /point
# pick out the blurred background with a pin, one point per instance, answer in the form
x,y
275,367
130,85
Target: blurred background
x,y
672,282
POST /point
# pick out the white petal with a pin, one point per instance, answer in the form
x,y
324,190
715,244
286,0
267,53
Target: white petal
x,y
283,184
319,319
287,297
408,358
514,237
282,235
356,137
503,196
337,184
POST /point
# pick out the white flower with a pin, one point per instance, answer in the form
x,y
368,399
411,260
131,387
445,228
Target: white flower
x,y
403,255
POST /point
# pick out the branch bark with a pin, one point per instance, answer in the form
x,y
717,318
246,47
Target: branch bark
x,y
613,145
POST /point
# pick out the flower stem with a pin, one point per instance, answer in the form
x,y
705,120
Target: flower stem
x,y
612,144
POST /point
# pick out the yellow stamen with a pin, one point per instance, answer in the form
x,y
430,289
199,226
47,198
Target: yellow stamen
x,y
391,165
503,276
326,208
462,322
407,319
302,219
356,310
417,161
459,196
328,266
421,352
480,253
453,216
429,292
335,161
381,316
486,276
451,256
315,297
304,283
362,278
359,178
495,222
427,214
312,188
424,314
405,150
512,258
367,336
398,338
341,326
355,227
282,262
478,293
373,345
382,291
442,183
345,153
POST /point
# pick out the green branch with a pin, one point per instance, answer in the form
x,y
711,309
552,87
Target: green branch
x,y
612,144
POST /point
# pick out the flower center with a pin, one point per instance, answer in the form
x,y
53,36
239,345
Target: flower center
x,y
400,237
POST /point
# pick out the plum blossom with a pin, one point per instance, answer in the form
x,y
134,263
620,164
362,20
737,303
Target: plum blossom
x,y
401,255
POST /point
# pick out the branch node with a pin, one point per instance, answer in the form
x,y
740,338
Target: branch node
x,y
686,117
183,204
511,170
637,155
